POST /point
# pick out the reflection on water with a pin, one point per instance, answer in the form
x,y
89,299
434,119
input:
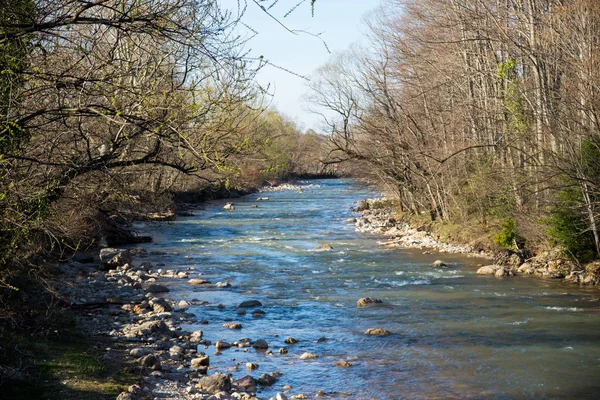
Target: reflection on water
x,y
455,334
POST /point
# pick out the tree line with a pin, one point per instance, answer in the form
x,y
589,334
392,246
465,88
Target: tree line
x,y
478,112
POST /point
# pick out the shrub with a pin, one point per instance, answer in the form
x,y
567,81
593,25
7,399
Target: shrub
x,y
508,238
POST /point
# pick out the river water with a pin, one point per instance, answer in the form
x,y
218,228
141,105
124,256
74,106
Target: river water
x,y
454,334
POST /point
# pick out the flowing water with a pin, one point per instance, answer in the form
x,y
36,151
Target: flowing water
x,y
454,334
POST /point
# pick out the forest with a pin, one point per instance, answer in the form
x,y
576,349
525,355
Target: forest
x,y
479,114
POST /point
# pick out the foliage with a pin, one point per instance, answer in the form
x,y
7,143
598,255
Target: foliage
x,y
508,238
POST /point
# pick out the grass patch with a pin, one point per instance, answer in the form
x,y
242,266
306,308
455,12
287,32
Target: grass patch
x,y
73,368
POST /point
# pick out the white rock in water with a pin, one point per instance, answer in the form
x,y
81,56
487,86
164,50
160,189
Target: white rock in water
x,y
308,356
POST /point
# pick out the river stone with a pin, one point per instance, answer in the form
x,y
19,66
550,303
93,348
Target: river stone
x,y
260,344
197,281
229,207
350,220
156,288
138,352
376,331
281,396
526,268
283,350
223,284
488,269
367,301
501,272
291,340
258,313
439,264
196,336
151,327
250,304
150,361
215,383
251,366
160,305
221,344
201,361
308,356
246,384
324,247
176,352
232,325
113,258
267,380
342,364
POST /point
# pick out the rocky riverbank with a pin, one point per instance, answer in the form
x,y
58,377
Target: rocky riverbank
x,y
122,298
548,264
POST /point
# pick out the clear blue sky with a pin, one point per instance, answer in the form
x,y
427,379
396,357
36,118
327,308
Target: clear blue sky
x,y
338,21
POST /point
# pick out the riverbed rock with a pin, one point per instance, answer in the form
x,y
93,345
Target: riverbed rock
x,y
251,366
223,284
280,396
323,247
198,281
222,344
160,305
377,331
112,258
232,325
342,364
526,268
308,356
488,269
138,352
215,383
245,384
267,380
229,207
156,288
261,344
154,327
200,361
196,336
150,361
291,340
250,304
439,264
368,302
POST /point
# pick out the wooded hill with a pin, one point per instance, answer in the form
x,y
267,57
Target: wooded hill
x,y
483,114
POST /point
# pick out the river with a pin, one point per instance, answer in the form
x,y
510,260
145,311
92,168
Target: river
x,y
454,334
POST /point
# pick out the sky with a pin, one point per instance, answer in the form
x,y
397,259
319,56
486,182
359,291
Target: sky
x,y
339,23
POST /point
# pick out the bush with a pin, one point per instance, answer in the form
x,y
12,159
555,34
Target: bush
x,y
567,226
508,238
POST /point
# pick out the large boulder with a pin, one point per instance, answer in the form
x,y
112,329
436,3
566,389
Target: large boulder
x,y
215,383
112,258
367,302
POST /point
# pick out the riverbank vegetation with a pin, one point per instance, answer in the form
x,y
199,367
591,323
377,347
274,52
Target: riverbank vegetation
x,y
480,117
